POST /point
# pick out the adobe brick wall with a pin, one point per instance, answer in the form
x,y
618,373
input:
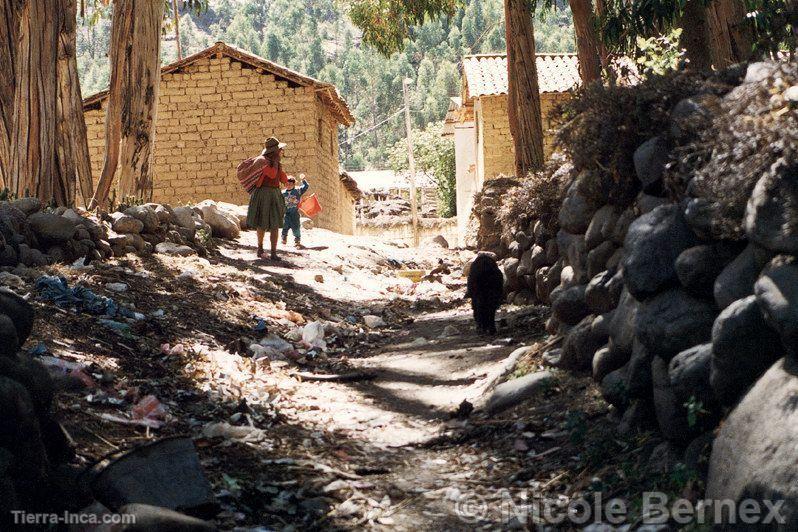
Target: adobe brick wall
x,y
496,153
215,113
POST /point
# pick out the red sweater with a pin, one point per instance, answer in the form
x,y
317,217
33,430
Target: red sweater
x,y
272,176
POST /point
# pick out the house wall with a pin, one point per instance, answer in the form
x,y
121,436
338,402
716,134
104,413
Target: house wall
x,y
215,113
495,149
466,175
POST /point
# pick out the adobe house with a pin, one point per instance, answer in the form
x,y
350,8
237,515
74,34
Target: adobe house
x,y
480,125
215,109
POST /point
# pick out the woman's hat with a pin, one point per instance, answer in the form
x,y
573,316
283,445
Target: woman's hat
x,y
273,145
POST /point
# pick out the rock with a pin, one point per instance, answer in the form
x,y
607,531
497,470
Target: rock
x,y
374,322
552,251
223,225
8,256
580,345
546,280
649,160
622,226
569,305
146,215
572,248
531,260
567,278
183,217
124,223
771,216
759,71
514,250
20,314
576,210
753,456
692,115
689,375
524,240
9,341
523,297
648,203
239,212
702,216
145,517
638,417
163,212
777,295
27,205
605,361
513,392
673,321
653,243
601,226
663,459
598,257
603,292
510,270
737,279
51,228
613,388
31,257
743,347
136,240
614,262
169,248
436,241
622,326
638,372
671,414
698,267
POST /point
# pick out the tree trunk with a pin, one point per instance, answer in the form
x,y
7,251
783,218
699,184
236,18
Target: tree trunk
x,y
74,165
523,98
176,14
33,137
132,101
587,41
10,11
695,35
730,36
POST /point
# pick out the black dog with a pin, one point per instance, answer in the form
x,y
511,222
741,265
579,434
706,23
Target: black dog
x,y
486,290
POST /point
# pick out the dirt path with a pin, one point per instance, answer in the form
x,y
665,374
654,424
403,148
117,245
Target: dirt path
x,y
382,452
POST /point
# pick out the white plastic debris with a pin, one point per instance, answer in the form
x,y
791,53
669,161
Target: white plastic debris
x,y
260,351
313,335
277,343
232,432
116,287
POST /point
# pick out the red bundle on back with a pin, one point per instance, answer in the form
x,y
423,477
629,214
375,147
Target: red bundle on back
x,y
249,172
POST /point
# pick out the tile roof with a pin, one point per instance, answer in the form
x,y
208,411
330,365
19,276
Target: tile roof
x,y
486,75
326,91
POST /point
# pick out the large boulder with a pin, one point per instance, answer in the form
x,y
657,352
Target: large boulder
x,y
223,224
51,228
673,321
691,115
531,260
649,160
27,205
546,280
124,223
169,248
777,295
771,216
622,225
613,388
698,267
689,375
603,292
601,226
753,457
183,217
577,209
671,413
146,215
653,243
605,361
572,248
622,326
638,372
737,279
743,347
598,257
568,306
580,345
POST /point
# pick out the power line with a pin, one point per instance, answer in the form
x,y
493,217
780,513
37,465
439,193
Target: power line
x,y
375,126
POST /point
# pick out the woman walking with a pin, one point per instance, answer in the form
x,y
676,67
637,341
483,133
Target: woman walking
x,y
266,204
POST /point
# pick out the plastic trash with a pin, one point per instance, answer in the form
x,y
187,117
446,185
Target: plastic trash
x,y
260,351
260,325
313,335
295,335
177,349
149,408
277,343
57,290
38,350
233,432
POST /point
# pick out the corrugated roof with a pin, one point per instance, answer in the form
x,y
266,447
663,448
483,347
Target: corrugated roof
x,y
327,91
486,75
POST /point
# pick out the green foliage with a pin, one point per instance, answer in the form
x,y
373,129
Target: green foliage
x,y
434,155
695,409
659,55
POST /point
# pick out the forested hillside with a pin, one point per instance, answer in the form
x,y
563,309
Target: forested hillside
x,y
317,38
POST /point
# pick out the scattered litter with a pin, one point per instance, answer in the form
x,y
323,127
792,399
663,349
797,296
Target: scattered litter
x,y
80,264
57,290
419,342
373,322
277,343
116,287
313,335
177,349
260,325
260,351
319,278
232,432
150,409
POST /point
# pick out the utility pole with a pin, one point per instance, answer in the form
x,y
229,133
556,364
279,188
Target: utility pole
x,y
411,162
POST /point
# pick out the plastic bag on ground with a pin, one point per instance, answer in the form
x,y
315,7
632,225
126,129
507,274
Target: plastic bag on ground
x,y
313,335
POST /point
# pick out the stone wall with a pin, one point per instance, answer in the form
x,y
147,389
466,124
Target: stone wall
x,y
216,112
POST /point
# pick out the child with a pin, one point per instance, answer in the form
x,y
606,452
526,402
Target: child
x,y
292,196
